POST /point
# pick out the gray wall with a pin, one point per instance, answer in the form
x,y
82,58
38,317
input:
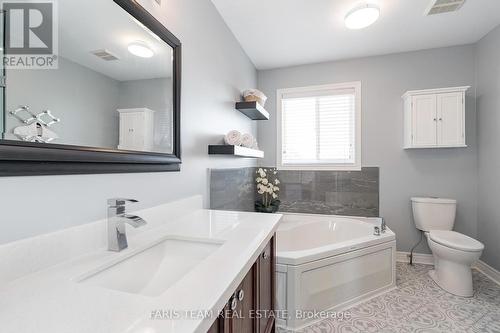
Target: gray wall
x,y
403,173
86,106
488,102
215,70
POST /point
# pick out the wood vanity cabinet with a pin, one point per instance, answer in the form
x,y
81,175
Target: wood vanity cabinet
x,y
249,310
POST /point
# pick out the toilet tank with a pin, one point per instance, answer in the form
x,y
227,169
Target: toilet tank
x,y
434,213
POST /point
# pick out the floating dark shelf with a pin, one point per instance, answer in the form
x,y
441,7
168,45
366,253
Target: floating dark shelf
x,y
234,151
252,110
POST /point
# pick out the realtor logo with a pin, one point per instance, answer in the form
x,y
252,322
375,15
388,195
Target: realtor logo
x,y
30,34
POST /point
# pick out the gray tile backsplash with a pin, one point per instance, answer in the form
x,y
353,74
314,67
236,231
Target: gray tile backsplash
x,y
353,193
232,189
331,192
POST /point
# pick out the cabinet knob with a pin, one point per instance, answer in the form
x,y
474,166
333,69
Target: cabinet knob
x,y
435,119
234,303
265,256
440,119
241,295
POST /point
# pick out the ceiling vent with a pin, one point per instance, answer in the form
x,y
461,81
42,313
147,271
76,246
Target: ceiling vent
x,y
104,55
444,6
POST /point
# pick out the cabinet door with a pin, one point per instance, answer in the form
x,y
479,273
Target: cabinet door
x,y
216,327
244,321
132,131
450,112
138,131
267,289
126,128
424,124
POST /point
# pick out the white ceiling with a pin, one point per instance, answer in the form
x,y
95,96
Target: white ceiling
x,y
90,25
280,33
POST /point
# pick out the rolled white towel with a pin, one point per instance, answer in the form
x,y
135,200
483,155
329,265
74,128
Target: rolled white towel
x,y
233,138
247,140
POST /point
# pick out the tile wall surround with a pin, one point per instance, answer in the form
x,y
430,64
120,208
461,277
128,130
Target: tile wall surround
x,y
351,193
232,189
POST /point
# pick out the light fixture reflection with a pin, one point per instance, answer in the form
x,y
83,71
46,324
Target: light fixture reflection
x,y
140,49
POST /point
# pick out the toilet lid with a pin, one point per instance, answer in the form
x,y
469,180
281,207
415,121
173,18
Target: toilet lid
x,y
456,240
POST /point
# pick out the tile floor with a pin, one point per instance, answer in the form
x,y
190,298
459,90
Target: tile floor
x,y
419,305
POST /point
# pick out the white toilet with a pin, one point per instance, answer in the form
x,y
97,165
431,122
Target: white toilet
x,y
453,252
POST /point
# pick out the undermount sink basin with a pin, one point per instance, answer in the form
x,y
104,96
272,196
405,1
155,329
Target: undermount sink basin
x,y
153,270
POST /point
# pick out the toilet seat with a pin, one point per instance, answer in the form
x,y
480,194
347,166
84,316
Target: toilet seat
x,y
455,240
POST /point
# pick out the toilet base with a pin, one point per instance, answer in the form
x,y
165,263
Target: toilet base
x,y
464,289
452,268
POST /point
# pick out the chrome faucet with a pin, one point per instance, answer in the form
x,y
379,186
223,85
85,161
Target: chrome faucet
x,y
117,236
383,226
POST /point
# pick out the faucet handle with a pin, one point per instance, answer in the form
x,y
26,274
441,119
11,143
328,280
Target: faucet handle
x,y
120,202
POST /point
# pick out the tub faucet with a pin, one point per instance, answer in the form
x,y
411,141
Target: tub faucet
x,y
383,226
117,236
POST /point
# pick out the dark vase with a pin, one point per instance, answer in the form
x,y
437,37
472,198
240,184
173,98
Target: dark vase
x,y
272,208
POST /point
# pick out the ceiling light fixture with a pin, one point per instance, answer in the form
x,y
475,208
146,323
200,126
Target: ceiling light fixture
x,y
362,16
140,49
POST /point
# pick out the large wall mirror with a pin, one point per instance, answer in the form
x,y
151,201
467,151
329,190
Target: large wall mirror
x,y
103,97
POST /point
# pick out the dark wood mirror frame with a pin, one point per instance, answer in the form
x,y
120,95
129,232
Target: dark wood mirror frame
x,y
19,158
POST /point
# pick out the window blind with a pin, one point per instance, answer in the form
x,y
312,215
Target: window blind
x,y
319,127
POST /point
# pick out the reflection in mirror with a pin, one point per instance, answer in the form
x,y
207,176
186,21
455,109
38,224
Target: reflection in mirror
x,y
112,88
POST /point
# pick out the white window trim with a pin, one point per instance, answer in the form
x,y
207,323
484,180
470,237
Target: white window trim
x,y
356,85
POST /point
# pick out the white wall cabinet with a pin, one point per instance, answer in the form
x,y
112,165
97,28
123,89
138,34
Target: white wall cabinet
x,y
136,129
434,118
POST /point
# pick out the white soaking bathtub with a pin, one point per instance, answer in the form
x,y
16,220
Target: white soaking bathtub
x,y
328,263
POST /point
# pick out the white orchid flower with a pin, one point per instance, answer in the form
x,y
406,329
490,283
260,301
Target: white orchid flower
x,y
265,181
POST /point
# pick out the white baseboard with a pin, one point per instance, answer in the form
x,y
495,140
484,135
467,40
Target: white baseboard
x,y
418,258
487,270
427,259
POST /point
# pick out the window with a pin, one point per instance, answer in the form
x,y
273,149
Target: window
x,y
319,127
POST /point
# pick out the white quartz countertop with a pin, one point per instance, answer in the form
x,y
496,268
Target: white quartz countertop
x,y
52,300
